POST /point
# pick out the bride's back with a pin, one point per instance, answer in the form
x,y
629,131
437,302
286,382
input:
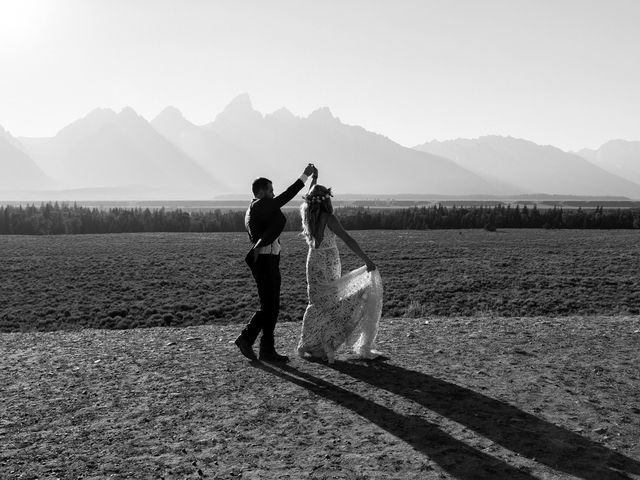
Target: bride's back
x,y
321,226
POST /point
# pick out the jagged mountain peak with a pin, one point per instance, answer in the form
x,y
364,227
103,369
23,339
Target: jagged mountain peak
x,y
323,115
239,110
128,112
99,118
6,135
620,144
109,148
282,114
100,114
241,103
170,113
91,122
171,120
128,118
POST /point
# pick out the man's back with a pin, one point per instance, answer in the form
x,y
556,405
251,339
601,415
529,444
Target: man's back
x,y
264,215
264,219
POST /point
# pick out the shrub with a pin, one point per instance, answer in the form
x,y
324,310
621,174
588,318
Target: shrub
x,y
414,310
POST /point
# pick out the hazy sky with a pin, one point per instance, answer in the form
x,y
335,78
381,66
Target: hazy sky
x,y
562,72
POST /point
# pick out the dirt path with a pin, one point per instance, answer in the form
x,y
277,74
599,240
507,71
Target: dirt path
x,y
466,398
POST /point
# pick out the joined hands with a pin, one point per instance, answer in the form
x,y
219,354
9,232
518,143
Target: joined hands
x,y
311,171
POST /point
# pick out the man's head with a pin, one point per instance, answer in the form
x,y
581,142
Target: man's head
x,y
262,188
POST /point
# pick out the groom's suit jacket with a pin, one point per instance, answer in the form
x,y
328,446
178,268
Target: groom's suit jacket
x,y
265,220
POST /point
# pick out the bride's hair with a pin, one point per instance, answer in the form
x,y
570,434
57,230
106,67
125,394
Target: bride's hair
x,y
318,200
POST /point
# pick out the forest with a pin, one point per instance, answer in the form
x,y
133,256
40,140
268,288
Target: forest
x,y
64,218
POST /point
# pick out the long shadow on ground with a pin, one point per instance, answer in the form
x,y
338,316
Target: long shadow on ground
x,y
498,421
454,456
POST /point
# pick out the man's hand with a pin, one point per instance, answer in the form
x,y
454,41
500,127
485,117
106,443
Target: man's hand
x,y
310,169
251,257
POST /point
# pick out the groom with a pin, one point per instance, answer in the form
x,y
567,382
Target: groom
x,y
265,222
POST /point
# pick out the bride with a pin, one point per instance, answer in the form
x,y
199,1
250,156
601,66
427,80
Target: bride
x,y
343,310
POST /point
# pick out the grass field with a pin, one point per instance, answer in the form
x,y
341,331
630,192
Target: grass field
x,y
137,280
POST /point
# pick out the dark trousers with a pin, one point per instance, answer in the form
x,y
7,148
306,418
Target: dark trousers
x,y
266,272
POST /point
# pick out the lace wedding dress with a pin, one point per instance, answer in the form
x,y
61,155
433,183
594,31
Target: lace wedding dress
x,y
344,310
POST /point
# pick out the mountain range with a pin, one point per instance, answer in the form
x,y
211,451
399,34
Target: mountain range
x,y
109,149
124,156
617,156
516,164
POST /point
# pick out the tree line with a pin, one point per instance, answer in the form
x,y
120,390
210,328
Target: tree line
x,y
63,218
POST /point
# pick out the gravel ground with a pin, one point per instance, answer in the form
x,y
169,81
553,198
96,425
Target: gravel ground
x,y
453,397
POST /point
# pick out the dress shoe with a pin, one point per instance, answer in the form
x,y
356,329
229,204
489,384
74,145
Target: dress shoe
x,y
273,357
245,348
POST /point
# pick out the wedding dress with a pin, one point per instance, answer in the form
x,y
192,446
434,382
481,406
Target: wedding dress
x,y
344,310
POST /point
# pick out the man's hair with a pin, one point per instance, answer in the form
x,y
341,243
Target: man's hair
x,y
260,184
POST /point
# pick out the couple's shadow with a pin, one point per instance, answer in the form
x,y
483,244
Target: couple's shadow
x,y
500,422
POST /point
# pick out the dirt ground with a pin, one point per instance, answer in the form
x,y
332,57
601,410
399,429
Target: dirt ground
x,y
464,398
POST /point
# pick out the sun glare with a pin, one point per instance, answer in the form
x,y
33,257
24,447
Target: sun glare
x,y
21,20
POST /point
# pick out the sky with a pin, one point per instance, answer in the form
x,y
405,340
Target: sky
x,y
559,72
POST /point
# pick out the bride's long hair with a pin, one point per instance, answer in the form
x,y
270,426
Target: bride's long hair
x,y
318,200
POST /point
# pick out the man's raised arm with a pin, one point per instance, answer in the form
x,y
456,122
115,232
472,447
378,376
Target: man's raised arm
x,y
286,196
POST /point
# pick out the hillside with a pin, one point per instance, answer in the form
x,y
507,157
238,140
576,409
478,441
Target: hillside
x,y
106,149
525,167
17,169
619,157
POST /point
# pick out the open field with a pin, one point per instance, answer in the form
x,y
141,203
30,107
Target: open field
x,y
464,398
518,360
179,279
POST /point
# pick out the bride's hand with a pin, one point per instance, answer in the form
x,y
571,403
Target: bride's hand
x,y
310,168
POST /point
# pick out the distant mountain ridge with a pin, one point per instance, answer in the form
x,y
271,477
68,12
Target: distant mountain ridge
x,y
527,167
246,144
106,149
620,157
124,155
17,169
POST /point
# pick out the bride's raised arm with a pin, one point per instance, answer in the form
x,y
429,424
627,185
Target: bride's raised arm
x,y
336,227
314,178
